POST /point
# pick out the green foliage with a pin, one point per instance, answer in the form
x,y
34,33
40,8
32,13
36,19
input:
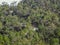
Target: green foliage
x,y
31,22
1,25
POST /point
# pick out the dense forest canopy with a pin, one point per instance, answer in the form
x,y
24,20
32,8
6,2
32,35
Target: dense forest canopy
x,y
31,22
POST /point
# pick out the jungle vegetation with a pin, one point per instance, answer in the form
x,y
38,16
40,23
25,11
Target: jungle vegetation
x,y
31,22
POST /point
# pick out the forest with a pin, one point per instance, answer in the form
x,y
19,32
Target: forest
x,y
31,22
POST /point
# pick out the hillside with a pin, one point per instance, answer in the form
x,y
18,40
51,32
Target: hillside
x,y
31,22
